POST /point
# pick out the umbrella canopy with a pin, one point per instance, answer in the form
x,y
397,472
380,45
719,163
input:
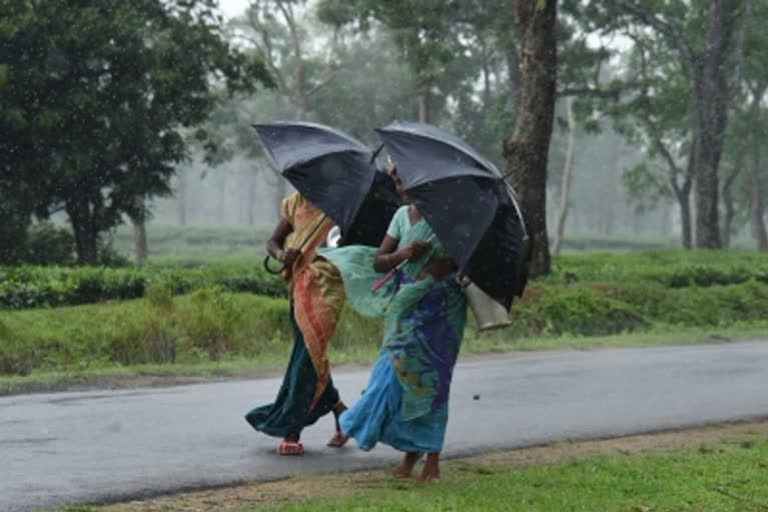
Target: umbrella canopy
x,y
466,202
335,172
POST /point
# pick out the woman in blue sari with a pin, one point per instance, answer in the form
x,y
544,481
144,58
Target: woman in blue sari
x,y
405,404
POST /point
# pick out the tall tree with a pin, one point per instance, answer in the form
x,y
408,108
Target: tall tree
x,y
565,187
755,80
526,150
275,28
656,117
103,92
705,60
426,32
278,29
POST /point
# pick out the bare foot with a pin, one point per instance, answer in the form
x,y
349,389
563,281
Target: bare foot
x,y
405,468
431,471
339,439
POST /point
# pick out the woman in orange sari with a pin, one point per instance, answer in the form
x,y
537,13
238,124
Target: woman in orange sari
x,y
317,296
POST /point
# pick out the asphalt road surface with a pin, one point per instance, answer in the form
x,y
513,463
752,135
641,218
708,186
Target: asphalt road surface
x,y
101,446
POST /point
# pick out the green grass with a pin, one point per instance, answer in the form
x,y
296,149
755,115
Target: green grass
x,y
217,332
728,476
590,300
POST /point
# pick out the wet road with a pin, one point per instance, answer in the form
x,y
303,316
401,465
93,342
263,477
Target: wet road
x,y
103,446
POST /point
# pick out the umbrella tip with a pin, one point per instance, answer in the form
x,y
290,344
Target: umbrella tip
x,y
376,153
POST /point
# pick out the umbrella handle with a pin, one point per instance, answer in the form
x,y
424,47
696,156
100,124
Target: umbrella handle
x,y
269,269
306,239
376,153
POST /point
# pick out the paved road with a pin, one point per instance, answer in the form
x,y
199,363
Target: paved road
x,y
102,446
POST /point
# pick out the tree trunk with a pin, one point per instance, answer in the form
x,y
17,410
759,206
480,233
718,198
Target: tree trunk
x,y
513,66
565,188
526,151
140,242
684,200
140,233
707,74
756,196
221,200
424,104
710,88
730,209
757,208
85,231
181,195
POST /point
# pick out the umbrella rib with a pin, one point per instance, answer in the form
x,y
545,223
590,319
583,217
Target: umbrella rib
x,y
303,162
442,141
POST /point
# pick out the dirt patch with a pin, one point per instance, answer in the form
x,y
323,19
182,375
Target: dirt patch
x,y
303,487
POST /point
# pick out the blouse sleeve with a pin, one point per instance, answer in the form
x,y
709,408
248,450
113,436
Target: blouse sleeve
x,y
288,207
395,225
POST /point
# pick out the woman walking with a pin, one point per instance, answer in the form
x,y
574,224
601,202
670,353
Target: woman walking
x,y
405,404
317,296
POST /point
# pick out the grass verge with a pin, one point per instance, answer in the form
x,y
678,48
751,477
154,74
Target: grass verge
x,y
215,333
715,468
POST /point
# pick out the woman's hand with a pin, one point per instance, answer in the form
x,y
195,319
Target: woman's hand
x,y
389,257
415,249
289,257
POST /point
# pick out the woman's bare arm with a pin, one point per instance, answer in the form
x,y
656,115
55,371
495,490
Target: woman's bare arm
x,y
276,243
388,256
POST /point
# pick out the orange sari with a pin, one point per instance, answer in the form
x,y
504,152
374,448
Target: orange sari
x,y
316,288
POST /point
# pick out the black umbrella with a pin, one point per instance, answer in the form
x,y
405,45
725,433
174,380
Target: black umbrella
x,y
466,202
335,172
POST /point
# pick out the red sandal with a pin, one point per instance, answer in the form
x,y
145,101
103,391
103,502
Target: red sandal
x,y
289,447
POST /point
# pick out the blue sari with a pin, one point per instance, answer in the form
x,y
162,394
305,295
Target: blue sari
x,y
405,404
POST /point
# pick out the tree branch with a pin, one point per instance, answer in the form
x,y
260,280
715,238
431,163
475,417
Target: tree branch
x,y
287,11
269,59
591,92
320,84
668,29
329,71
740,41
265,46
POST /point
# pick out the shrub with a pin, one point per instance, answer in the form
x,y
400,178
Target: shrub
x,y
151,338
574,310
48,244
29,286
210,321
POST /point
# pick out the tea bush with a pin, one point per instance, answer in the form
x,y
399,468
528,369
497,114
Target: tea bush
x,y
29,286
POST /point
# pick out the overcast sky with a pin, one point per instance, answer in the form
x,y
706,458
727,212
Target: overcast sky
x,y
232,8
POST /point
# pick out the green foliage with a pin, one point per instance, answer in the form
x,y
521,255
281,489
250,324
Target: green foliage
x,y
48,244
35,286
670,268
576,311
214,324
150,338
159,329
210,321
95,100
